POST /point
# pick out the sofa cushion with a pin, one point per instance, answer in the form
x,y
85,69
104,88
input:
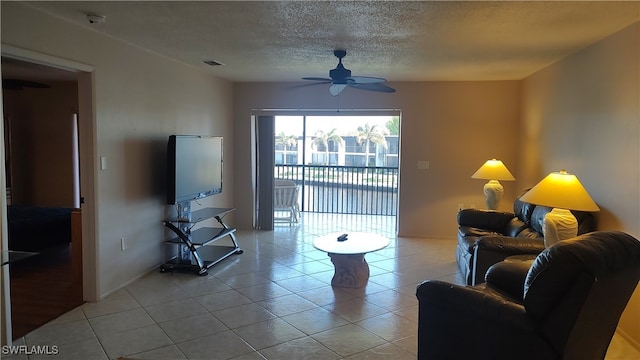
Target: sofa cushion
x,y
523,210
514,227
529,233
485,219
508,277
586,221
537,218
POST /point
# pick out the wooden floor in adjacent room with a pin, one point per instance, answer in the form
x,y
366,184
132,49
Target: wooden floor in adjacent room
x,y
42,288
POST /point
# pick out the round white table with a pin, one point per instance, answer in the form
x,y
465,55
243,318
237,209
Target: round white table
x,y
351,269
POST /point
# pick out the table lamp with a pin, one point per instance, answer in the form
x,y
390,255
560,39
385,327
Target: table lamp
x,y
493,170
563,192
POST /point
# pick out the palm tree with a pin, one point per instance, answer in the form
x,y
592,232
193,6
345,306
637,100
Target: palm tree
x,y
323,138
393,125
370,134
286,140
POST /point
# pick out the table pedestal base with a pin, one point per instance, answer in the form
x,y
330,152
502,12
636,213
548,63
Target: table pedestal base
x,y
351,270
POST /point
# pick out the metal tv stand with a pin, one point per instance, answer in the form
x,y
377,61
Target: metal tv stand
x,y
196,249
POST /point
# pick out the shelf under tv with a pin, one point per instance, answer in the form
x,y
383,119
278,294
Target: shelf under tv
x,y
196,249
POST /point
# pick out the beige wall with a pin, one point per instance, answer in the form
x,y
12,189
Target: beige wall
x,y
139,99
583,114
456,126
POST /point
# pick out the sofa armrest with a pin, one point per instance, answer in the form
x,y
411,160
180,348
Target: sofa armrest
x,y
491,250
476,232
495,221
433,294
451,315
508,277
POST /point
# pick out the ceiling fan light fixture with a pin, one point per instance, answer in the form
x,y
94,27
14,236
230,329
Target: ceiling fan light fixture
x,y
336,89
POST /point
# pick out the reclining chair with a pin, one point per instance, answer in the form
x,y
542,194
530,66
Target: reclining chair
x,y
565,304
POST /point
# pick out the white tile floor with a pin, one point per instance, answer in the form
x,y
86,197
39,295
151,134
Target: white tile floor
x,y
274,301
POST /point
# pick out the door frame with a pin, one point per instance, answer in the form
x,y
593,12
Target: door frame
x,y
88,177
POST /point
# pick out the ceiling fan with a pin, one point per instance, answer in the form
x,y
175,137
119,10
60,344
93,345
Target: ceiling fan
x,y
340,78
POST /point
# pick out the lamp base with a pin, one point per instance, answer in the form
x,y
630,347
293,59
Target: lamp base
x,y
493,191
559,224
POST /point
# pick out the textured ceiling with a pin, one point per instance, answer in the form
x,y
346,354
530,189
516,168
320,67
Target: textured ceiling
x,y
397,40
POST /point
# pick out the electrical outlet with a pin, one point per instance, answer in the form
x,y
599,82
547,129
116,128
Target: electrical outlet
x,y
460,207
123,244
472,206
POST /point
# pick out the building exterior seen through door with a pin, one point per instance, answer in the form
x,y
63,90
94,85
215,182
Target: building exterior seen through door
x,y
343,164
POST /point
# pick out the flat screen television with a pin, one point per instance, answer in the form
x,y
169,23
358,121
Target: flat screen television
x,y
194,167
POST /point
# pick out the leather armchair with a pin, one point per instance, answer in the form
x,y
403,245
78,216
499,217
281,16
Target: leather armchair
x,y
486,237
565,304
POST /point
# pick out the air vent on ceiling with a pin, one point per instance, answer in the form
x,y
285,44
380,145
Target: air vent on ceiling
x,y
212,63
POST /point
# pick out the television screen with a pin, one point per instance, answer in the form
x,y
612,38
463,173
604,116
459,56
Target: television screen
x,y
194,167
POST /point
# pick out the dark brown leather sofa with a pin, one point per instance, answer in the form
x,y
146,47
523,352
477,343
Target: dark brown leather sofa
x,y
487,237
565,304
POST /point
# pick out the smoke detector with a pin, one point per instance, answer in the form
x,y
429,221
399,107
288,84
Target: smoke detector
x,y
212,62
96,19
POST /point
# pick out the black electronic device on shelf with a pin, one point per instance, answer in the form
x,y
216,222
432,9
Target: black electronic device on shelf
x,y
194,171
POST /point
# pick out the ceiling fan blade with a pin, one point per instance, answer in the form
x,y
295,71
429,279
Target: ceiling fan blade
x,y
340,78
365,79
373,87
304,85
336,89
326,80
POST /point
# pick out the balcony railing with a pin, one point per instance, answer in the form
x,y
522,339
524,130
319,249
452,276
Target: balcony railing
x,y
344,189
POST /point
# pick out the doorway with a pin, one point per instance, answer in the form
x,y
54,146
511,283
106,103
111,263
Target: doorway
x,y
341,164
344,164
40,108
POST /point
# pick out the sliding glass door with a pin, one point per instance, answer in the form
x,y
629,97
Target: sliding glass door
x,y
343,164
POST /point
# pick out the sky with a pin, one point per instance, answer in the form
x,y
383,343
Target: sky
x,y
345,125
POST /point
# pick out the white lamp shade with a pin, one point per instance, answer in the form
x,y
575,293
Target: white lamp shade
x,y
561,190
493,170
